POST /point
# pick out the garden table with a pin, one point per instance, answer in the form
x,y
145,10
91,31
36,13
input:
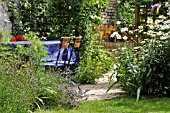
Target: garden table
x,y
52,48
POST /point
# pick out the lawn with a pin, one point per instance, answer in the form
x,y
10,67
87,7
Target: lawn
x,y
120,105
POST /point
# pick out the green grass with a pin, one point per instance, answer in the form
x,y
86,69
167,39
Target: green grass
x,y
120,105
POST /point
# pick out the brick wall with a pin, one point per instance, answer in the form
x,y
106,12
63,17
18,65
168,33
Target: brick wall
x,y
109,15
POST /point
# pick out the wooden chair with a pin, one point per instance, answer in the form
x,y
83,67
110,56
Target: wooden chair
x,y
64,64
76,49
72,64
65,42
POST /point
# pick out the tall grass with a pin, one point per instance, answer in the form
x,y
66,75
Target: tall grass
x,y
19,83
24,85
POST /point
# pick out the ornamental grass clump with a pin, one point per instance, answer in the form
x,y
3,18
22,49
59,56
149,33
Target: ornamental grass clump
x,y
56,91
19,84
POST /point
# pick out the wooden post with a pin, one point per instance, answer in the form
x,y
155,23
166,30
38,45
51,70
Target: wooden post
x,y
137,18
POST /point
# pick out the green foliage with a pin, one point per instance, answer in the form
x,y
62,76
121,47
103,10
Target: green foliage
x,y
145,1
18,82
57,18
54,18
18,67
56,92
128,71
156,78
146,71
5,36
25,85
125,13
156,57
94,62
119,105
36,51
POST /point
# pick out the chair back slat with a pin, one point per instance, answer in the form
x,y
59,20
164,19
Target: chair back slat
x,y
65,39
64,46
77,39
76,45
65,42
76,48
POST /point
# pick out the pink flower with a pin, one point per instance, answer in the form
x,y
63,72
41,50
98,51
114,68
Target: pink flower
x,y
38,33
7,20
154,7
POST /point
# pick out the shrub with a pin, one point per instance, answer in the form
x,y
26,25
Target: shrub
x,y
56,91
18,83
54,18
25,86
147,72
156,78
156,57
94,62
128,71
125,12
144,73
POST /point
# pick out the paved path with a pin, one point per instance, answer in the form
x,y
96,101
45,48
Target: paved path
x,y
98,91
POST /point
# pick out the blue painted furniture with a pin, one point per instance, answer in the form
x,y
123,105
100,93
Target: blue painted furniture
x,y
53,49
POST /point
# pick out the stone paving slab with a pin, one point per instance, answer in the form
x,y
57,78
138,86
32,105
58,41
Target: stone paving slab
x,y
98,91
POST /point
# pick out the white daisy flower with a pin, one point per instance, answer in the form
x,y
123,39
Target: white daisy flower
x,y
124,29
118,22
118,36
125,38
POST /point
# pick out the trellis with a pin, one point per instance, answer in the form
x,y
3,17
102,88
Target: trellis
x,y
143,12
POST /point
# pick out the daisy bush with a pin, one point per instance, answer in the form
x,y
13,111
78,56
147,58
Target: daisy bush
x,y
156,57
145,69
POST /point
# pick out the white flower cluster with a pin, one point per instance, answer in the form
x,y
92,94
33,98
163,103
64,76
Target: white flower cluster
x,y
160,28
123,30
116,35
123,33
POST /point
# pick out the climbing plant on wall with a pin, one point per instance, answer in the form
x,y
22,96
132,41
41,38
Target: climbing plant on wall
x,y
54,18
125,12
